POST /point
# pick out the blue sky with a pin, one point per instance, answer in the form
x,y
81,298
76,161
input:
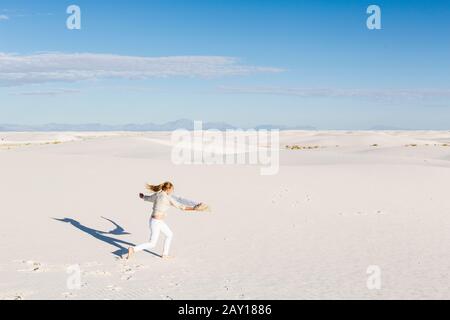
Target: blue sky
x,y
245,62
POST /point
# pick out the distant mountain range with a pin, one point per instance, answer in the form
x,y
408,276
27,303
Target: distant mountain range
x,y
169,126
386,128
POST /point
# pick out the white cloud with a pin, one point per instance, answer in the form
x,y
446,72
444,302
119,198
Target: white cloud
x,y
336,93
3,17
52,92
69,67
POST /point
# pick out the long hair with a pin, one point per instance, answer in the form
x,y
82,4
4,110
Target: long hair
x,y
163,186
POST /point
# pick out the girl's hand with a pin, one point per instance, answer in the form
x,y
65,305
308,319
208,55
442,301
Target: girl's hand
x,y
141,195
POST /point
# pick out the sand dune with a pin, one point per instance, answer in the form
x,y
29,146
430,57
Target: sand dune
x,y
361,199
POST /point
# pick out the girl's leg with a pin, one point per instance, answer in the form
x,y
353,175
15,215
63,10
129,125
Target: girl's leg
x,y
155,228
169,235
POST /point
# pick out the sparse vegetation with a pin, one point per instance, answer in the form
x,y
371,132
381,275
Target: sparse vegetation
x,y
9,146
53,142
297,147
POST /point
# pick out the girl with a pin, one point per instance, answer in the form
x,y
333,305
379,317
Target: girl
x,y
162,200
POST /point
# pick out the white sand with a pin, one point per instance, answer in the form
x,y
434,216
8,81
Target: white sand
x,y
309,232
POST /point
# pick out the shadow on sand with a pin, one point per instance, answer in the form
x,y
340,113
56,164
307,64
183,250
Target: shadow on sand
x,y
103,235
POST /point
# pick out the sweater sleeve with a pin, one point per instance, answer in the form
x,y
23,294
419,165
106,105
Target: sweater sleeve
x,y
176,203
150,198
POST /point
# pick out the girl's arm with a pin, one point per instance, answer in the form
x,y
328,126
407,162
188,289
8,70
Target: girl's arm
x,y
150,198
174,202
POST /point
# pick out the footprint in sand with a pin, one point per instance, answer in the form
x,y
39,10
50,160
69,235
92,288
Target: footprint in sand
x,y
140,266
174,284
14,297
114,288
131,269
377,212
227,285
295,204
97,273
362,213
32,266
127,271
126,277
279,196
68,295
122,258
21,295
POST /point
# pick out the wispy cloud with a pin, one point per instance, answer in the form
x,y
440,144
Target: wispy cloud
x,y
37,14
337,93
52,92
7,14
70,67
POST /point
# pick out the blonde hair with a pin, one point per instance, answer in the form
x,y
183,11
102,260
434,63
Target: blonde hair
x,y
163,186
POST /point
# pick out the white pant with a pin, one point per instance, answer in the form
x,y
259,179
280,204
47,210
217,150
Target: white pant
x,y
157,226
